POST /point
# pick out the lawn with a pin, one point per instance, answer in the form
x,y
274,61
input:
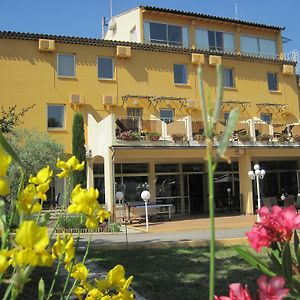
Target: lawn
x,y
177,273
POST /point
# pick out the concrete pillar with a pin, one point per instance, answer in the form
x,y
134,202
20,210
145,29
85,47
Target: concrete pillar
x,y
252,129
89,174
246,183
152,182
109,180
189,128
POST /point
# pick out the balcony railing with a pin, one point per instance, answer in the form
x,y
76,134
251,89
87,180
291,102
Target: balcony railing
x,y
186,129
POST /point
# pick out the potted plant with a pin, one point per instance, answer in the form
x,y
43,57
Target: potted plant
x,y
264,138
296,138
178,137
199,137
153,136
129,135
283,138
244,137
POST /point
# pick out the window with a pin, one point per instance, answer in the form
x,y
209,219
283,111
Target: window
x,y
258,46
215,40
134,121
105,68
56,116
167,115
272,82
266,118
228,78
166,34
180,73
66,65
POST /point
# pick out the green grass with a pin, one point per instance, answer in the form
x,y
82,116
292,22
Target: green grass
x,y
177,273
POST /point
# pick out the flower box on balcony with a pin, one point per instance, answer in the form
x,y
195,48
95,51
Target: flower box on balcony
x,y
264,138
153,136
178,137
129,135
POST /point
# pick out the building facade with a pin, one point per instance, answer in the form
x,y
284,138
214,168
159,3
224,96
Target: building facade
x,y
138,92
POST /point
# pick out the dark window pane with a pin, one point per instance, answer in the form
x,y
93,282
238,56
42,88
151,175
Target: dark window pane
x,y
158,33
105,68
180,75
228,78
175,35
234,166
192,167
134,168
272,82
266,118
98,169
56,116
212,40
219,41
99,184
166,168
118,169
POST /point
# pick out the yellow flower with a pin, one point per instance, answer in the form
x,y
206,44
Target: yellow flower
x,y
42,181
94,294
103,214
64,246
43,176
69,251
32,241
4,187
79,292
71,165
27,201
4,263
79,272
5,161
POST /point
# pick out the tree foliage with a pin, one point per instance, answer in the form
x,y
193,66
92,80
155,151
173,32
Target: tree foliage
x,y
78,147
11,118
36,150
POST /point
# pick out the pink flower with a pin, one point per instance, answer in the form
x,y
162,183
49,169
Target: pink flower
x,y
236,292
275,226
271,288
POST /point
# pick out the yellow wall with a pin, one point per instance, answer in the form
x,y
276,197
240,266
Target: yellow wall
x,y
28,77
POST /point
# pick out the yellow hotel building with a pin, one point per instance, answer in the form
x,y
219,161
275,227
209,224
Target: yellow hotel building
x,y
140,83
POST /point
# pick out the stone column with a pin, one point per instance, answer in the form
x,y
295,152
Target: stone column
x,y
89,174
109,180
246,184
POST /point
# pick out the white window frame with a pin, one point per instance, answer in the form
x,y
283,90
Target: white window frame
x,y
113,68
64,117
147,34
186,74
223,32
57,65
259,48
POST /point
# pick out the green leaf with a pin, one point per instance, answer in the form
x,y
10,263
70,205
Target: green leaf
x,y
41,289
9,150
253,260
276,261
219,94
287,262
232,120
44,219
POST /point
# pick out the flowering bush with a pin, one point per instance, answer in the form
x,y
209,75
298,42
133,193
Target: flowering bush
x,y
129,135
31,247
273,231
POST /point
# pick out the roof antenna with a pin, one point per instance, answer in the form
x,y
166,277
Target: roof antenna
x,y
111,9
236,10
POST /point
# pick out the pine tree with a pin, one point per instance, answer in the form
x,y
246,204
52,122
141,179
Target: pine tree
x,y
78,148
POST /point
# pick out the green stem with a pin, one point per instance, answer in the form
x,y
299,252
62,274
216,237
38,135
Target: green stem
x,y
212,220
54,279
83,261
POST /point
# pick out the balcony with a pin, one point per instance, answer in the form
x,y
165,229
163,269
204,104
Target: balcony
x,y
186,132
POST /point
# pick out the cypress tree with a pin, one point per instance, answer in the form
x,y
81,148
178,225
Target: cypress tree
x,y
78,148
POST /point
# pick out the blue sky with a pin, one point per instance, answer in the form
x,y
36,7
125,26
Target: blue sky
x,y
83,17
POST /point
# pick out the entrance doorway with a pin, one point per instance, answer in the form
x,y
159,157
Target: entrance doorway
x,y
193,193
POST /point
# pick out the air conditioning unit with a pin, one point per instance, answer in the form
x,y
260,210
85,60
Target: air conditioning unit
x,y
123,51
288,70
76,99
192,104
214,60
198,58
107,100
46,45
